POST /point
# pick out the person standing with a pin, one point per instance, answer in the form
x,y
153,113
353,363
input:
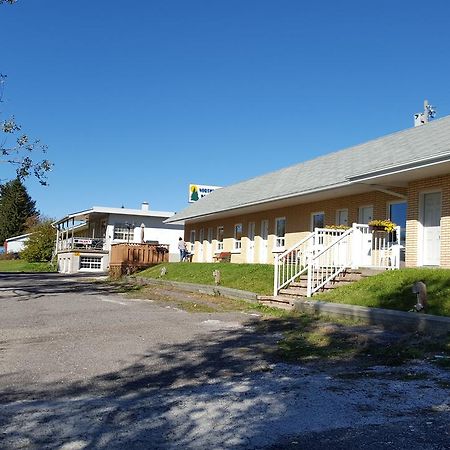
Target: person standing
x,y
182,248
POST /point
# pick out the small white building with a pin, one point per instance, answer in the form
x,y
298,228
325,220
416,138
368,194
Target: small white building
x,y
84,239
16,244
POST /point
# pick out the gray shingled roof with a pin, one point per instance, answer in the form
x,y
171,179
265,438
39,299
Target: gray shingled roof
x,y
332,170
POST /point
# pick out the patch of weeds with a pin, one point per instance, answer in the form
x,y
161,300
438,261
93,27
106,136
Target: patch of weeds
x,y
392,354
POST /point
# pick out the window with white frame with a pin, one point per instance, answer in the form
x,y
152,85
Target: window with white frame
x,y
124,232
317,220
191,241
342,217
219,238
280,232
90,262
238,236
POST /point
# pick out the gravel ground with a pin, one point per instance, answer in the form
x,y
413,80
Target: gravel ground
x,y
85,367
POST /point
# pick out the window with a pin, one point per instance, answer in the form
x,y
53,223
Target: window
x,y
90,262
342,217
238,236
280,231
397,213
317,220
201,235
219,238
365,214
192,241
124,232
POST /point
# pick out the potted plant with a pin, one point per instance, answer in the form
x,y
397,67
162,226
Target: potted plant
x,y
382,225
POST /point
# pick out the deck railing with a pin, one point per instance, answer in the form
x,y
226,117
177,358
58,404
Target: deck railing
x,y
127,258
292,263
325,253
80,243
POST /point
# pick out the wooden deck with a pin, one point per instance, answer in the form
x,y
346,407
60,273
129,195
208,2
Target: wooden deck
x,y
128,258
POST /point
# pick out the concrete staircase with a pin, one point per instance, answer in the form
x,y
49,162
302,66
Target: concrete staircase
x,y
297,290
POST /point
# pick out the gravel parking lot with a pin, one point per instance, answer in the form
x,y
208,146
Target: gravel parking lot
x,y
83,366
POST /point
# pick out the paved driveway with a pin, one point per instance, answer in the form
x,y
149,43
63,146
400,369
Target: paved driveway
x,y
85,367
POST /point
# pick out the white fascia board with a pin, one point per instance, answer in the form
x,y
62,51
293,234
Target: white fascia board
x,y
121,211
16,238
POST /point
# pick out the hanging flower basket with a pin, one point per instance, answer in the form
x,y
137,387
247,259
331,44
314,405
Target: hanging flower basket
x,y
382,225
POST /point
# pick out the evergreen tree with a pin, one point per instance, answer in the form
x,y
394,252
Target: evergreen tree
x,y
16,208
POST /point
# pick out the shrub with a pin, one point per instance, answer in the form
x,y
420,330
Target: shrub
x,y
40,244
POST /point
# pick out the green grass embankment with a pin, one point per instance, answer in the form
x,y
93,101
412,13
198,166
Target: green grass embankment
x,y
393,290
256,278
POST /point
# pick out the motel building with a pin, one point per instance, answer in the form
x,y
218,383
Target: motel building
x,y
314,217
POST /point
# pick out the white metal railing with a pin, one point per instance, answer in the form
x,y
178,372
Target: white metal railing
x,y
292,263
79,243
219,246
333,255
376,249
325,253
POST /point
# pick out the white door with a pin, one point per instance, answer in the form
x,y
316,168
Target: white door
x,y
431,221
251,242
209,246
201,238
365,214
264,241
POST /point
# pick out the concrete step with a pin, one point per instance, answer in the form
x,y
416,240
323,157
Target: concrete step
x,y
294,292
278,301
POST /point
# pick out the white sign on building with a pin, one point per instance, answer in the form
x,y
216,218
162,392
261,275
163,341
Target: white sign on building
x,y
198,191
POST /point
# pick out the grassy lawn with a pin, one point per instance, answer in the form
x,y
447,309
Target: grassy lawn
x,y
392,290
256,278
19,265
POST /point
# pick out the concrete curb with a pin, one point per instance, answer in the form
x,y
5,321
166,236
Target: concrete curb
x,y
410,321
235,294
436,325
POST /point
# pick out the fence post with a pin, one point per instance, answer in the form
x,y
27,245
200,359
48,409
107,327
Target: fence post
x,y
356,246
275,276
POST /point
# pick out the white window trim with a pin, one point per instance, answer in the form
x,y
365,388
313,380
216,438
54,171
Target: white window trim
x,y
128,233
280,241
316,213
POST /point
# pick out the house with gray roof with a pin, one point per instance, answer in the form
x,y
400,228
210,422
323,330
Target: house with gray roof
x,y
403,177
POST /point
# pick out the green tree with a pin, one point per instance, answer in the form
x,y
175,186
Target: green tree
x,y
16,209
41,243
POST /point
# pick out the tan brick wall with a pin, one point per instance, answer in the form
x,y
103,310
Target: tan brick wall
x,y
298,223
413,224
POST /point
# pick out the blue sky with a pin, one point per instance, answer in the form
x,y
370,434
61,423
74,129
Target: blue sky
x,y
138,99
